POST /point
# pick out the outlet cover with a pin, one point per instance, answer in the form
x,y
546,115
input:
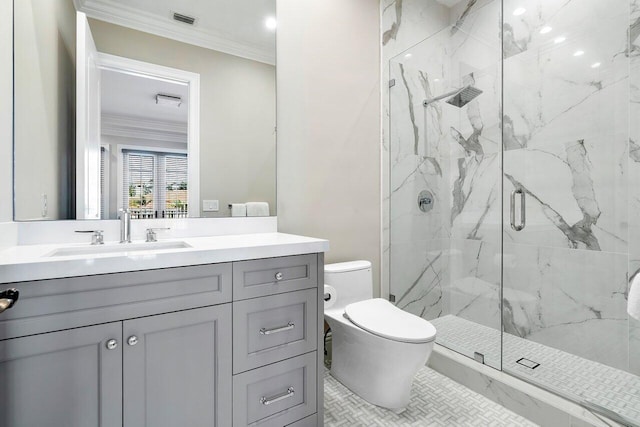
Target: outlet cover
x,y
210,205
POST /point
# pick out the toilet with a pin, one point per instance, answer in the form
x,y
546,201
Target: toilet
x,y
377,347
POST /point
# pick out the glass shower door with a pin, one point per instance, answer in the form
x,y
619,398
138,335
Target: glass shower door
x,y
445,179
571,200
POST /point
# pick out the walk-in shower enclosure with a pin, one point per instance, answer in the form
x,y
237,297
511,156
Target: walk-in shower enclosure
x,y
524,259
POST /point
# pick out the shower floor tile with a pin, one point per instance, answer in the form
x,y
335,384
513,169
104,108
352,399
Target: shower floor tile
x,y
436,401
597,386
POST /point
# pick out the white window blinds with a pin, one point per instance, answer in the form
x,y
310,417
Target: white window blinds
x,y
175,179
155,184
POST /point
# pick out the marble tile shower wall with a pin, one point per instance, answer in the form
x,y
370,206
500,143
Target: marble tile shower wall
x,y
568,144
634,173
446,261
566,141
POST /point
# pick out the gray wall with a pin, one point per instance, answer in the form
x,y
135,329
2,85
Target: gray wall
x,y
237,112
6,108
45,107
329,125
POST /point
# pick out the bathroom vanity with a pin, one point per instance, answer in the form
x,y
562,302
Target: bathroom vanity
x,y
175,341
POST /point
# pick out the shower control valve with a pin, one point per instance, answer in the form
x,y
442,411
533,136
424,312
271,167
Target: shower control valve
x,y
425,201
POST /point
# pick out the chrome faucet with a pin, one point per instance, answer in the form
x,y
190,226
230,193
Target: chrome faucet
x,y
152,236
125,225
97,238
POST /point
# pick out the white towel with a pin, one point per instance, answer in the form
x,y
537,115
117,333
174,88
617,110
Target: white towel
x,y
238,209
633,304
257,209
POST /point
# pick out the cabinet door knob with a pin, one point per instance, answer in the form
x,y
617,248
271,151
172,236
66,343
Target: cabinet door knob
x,y
112,344
279,276
132,340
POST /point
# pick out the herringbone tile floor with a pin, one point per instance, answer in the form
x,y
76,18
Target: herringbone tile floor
x,y
436,401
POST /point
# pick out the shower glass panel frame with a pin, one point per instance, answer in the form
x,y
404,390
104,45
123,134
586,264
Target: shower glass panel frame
x,y
445,138
524,257
567,148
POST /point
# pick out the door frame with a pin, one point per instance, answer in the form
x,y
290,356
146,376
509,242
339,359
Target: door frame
x,y
175,75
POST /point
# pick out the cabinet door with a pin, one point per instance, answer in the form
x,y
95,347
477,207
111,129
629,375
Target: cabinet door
x,y
177,369
62,379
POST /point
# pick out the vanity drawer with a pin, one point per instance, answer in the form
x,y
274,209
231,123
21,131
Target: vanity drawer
x,y
260,277
311,421
276,395
269,329
56,304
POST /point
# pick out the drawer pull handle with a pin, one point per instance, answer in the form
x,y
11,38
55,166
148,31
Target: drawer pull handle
x,y
269,400
8,298
279,276
289,326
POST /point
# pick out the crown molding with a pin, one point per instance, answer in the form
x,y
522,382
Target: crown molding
x,y
127,16
155,130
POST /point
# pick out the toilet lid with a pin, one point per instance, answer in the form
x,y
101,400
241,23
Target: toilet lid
x,y
382,318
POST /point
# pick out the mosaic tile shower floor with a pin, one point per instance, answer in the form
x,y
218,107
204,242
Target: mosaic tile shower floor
x,y
436,401
594,384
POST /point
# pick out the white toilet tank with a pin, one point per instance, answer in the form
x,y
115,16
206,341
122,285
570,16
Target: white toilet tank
x,y
352,280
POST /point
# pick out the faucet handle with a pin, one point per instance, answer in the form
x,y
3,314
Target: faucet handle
x,y
151,233
97,238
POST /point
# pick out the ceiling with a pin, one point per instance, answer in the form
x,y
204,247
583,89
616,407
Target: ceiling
x,y
134,96
236,27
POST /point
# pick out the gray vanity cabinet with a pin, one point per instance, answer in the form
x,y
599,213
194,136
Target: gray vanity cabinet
x,y
177,369
62,379
216,345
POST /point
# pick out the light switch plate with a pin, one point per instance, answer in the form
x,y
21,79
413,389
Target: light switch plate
x,y
210,205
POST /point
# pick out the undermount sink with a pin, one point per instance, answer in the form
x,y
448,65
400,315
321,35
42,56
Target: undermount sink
x,y
117,248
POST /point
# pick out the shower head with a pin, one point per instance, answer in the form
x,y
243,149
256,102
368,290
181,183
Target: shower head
x,y
458,98
464,96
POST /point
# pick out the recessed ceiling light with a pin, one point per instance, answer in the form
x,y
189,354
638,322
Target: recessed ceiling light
x,y
595,65
545,30
436,80
578,53
519,11
271,23
559,39
408,55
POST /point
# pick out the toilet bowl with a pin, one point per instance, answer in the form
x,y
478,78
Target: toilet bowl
x,y
377,349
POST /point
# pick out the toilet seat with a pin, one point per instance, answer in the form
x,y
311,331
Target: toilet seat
x,y
385,320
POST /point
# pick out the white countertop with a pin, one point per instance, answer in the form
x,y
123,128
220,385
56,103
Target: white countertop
x,y
33,262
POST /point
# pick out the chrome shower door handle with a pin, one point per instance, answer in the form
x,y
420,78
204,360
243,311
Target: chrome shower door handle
x,y
523,205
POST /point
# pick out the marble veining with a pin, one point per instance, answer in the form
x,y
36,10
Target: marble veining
x,y
579,234
559,126
392,32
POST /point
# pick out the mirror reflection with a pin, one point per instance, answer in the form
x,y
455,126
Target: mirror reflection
x,y
164,109
143,145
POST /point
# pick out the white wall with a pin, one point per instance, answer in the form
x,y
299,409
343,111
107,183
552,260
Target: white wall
x,y
237,112
8,229
329,125
44,34
6,108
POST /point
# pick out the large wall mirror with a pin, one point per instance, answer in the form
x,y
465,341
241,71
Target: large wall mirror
x,y
166,108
